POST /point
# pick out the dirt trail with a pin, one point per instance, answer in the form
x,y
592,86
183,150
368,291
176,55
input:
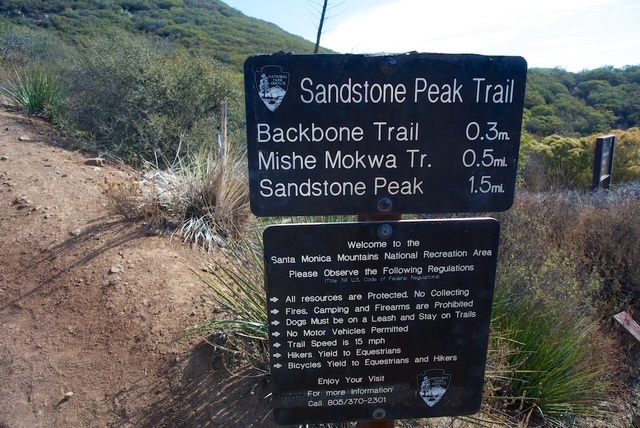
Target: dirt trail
x,y
91,305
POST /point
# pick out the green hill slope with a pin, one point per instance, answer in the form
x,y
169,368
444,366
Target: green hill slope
x,y
207,27
557,101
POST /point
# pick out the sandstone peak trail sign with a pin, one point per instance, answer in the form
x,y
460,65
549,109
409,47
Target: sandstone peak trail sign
x,y
362,134
379,320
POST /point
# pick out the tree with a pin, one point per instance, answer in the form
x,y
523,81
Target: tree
x,y
320,24
321,8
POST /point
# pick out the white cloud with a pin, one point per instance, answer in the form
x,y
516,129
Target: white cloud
x,y
546,32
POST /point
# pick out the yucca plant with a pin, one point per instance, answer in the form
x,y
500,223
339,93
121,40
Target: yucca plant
x,y
203,196
550,367
216,203
36,89
239,289
235,279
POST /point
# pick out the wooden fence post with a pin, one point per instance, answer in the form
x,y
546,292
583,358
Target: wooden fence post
x,y
628,323
378,217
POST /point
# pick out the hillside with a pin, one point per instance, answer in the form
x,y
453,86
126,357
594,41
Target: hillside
x,y
208,27
558,101
584,103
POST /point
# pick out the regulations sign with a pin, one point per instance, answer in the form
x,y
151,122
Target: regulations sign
x,y
379,320
360,134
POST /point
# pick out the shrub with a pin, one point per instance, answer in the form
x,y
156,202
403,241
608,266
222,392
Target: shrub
x,y
576,247
567,163
560,163
27,47
609,237
143,101
539,250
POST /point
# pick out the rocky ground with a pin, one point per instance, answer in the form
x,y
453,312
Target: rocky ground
x,y
93,307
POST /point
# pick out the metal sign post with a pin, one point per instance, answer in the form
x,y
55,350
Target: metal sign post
x,y
603,162
387,423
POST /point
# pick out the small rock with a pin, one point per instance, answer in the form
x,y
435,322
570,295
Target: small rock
x,y
94,162
22,201
75,232
3,158
116,269
66,398
24,138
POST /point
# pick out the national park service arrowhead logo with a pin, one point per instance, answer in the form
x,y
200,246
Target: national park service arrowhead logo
x,y
272,85
432,385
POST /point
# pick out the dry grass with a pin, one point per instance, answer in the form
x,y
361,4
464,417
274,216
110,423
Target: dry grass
x,y
203,198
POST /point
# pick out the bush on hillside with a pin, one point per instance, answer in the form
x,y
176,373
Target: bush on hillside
x,y
141,100
609,239
25,47
578,248
559,162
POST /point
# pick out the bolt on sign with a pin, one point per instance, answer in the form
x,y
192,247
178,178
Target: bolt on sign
x,y
378,320
363,134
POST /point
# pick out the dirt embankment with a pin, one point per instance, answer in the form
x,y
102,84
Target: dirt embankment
x,y
92,307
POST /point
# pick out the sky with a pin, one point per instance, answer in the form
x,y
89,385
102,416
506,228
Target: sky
x,y
571,34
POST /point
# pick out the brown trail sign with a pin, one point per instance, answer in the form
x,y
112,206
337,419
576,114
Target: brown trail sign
x,y
382,319
379,319
362,134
